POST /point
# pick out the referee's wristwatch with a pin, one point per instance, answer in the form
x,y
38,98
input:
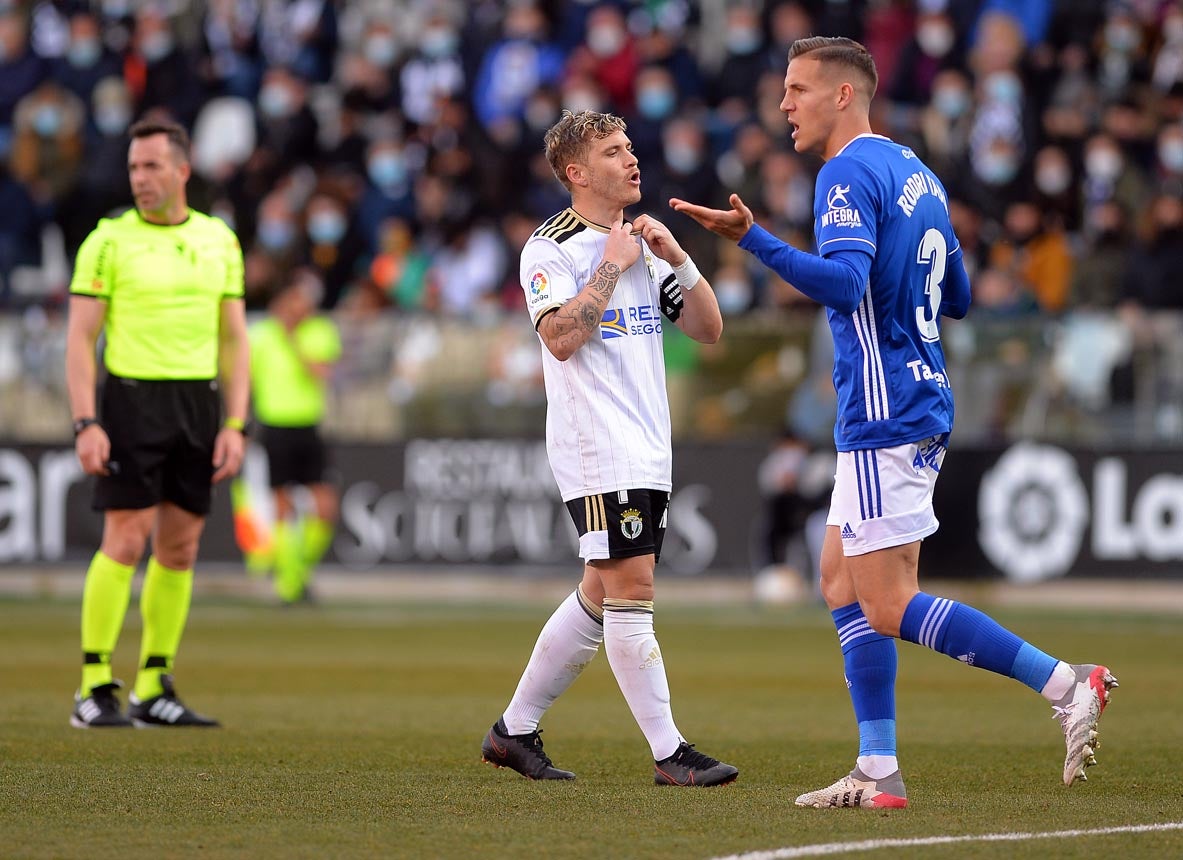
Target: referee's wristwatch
x,y
82,423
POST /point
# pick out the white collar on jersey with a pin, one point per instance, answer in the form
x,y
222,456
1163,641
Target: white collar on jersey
x,y
867,134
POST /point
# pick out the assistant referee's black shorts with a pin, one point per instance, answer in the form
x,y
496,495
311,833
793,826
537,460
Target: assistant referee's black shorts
x,y
162,436
295,455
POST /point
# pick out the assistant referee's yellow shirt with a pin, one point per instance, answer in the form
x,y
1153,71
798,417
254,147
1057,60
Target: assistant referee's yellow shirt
x,y
283,392
164,286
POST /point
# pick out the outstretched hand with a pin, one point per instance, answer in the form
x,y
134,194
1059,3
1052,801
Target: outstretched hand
x,y
728,224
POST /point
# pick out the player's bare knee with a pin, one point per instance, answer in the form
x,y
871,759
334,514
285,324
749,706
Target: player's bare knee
x,y
884,617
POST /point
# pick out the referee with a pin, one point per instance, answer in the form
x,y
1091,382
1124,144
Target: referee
x,y
293,352
164,284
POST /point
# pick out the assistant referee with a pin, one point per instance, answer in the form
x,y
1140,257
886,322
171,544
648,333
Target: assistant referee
x,y
164,283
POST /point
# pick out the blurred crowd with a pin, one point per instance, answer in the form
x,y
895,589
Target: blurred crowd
x,y
395,145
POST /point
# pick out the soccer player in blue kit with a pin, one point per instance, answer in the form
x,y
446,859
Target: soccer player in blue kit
x,y
889,266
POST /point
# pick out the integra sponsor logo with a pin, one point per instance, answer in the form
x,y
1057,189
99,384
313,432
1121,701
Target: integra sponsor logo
x,y
840,214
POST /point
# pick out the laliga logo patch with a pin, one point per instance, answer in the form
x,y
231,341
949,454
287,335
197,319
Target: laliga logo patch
x,y
631,524
538,283
836,198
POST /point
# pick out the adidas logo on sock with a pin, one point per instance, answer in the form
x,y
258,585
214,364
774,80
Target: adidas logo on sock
x,y
848,532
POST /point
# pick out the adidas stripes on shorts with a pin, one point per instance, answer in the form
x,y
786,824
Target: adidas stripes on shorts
x,y
620,524
883,496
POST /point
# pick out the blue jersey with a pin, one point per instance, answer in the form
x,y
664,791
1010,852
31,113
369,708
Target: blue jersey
x,y
876,197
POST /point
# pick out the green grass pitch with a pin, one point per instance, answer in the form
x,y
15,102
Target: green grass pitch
x,y
354,731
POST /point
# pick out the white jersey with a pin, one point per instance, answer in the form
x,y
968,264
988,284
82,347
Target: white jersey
x,y
608,414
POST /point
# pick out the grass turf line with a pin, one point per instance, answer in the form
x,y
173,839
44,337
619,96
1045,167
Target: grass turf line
x,y
354,731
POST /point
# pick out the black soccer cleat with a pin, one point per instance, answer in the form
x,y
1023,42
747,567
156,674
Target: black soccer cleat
x,y
687,766
165,710
522,753
99,710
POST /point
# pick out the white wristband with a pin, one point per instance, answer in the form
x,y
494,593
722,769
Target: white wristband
x,y
687,274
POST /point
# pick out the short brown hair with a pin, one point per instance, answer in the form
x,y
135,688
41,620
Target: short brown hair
x,y
842,52
174,131
567,139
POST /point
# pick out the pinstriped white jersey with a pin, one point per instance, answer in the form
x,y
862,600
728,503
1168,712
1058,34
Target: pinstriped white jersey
x,y
877,197
608,417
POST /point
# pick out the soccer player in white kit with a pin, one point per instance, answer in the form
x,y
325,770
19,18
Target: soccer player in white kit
x,y
599,291
888,268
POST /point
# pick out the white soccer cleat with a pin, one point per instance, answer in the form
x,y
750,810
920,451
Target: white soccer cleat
x,y
1078,713
856,789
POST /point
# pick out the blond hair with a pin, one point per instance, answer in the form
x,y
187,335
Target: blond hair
x,y
568,139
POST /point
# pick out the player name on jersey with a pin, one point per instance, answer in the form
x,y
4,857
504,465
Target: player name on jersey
x,y
915,187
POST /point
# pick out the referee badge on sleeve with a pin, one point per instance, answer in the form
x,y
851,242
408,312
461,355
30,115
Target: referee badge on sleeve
x,y
631,524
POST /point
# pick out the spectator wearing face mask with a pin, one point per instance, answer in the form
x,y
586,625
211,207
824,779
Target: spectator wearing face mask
x,y
514,67
21,70
48,142
932,48
945,123
609,56
230,61
1109,175
657,102
86,60
275,251
389,189
333,248
1169,156
1055,190
1073,104
102,179
161,71
999,140
287,127
663,43
434,72
730,88
1122,54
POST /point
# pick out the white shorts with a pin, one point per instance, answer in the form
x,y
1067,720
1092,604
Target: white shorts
x,y
883,496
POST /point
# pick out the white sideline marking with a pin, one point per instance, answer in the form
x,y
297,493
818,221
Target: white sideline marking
x,y
871,844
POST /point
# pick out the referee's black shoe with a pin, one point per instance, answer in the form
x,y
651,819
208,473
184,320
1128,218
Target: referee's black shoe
x,y
99,710
522,753
165,710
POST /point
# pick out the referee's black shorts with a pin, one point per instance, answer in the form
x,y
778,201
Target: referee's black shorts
x,y
295,455
620,524
162,436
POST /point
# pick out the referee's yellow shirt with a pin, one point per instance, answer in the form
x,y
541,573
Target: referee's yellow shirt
x,y
164,286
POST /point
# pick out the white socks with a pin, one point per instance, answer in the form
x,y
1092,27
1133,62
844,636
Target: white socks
x,y
878,766
567,643
1060,682
636,662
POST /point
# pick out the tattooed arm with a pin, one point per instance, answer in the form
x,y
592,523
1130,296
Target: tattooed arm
x,y
573,324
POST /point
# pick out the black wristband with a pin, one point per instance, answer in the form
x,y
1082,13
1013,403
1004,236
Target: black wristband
x,y
82,423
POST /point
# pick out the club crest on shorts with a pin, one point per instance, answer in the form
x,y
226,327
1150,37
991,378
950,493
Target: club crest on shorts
x,y
631,524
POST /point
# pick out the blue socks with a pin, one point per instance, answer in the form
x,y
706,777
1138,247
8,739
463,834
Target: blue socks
x,y
870,663
973,637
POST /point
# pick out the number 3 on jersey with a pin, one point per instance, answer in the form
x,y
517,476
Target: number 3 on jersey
x,y
933,252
